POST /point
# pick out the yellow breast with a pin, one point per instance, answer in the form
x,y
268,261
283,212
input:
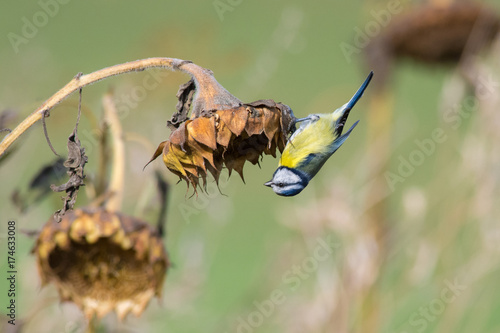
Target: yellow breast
x,y
314,138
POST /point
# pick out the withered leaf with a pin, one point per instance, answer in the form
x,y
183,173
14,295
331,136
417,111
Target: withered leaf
x,y
185,98
75,163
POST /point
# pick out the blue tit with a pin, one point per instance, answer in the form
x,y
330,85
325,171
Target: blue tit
x,y
317,138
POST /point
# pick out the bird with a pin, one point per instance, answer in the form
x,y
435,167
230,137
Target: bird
x,y
310,146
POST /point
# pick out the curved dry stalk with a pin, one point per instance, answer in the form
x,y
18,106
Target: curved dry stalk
x,y
206,86
115,187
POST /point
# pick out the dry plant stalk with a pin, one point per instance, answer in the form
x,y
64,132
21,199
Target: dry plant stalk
x,y
116,185
221,130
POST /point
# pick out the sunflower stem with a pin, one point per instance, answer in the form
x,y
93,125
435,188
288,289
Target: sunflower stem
x,y
80,81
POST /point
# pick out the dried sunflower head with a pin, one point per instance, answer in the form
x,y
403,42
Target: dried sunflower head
x,y
222,131
102,261
437,34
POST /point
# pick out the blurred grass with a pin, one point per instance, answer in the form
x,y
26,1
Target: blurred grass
x,y
236,248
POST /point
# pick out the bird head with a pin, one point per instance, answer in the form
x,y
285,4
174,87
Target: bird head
x,y
288,182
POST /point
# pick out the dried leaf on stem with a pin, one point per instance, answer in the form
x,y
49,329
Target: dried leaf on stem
x,y
75,163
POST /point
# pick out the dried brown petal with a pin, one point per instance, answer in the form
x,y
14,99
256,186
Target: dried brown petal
x,y
271,148
235,119
215,171
236,164
157,153
271,124
178,137
203,130
171,161
255,122
204,151
223,134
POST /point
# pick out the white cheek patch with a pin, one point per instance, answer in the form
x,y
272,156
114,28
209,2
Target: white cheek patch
x,y
286,177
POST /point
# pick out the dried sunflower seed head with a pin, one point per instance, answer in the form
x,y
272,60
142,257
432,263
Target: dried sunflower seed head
x,y
222,131
102,261
226,138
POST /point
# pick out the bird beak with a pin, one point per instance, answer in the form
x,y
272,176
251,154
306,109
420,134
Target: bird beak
x,y
269,183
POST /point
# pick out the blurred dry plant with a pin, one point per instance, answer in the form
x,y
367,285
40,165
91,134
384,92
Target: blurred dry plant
x,y
434,34
340,300
439,33
348,294
100,259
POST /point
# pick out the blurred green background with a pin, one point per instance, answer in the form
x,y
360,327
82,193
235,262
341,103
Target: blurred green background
x,y
437,269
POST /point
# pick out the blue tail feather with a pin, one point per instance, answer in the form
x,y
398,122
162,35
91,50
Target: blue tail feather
x,y
358,93
341,139
344,110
